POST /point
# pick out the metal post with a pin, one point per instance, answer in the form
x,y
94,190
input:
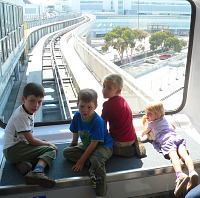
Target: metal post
x,y
138,15
161,79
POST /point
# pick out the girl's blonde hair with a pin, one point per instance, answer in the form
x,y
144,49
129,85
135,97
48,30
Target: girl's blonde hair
x,y
157,108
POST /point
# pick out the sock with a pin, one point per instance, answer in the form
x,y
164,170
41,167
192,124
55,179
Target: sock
x,y
178,174
191,172
39,168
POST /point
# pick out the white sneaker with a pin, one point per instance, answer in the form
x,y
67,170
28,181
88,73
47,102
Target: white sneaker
x,y
144,138
194,180
181,184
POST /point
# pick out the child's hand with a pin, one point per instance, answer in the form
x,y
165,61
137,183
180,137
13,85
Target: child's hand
x,y
78,166
54,146
143,134
144,120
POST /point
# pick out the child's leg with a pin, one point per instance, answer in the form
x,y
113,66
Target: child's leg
x,y
124,149
37,176
140,148
44,156
29,153
194,177
182,151
182,179
173,155
74,153
97,169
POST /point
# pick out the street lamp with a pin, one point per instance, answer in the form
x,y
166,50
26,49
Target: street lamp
x,y
105,25
161,77
177,72
169,75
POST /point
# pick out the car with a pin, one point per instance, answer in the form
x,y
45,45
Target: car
x,y
165,56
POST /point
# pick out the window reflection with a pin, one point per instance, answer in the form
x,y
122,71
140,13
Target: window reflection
x,y
158,68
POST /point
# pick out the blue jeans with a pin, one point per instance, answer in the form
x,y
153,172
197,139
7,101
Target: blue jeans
x,y
194,193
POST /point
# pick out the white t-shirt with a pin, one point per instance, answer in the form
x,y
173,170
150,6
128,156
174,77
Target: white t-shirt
x,y
20,121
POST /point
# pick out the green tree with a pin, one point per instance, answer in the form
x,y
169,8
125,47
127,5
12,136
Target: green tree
x,y
173,44
122,39
140,34
166,41
129,37
157,40
117,40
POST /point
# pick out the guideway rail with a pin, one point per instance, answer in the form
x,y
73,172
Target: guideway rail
x,y
66,93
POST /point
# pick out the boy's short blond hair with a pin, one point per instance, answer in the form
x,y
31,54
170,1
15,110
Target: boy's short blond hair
x,y
116,79
157,108
87,95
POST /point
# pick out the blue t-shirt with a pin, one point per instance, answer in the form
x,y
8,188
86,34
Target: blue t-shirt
x,y
94,129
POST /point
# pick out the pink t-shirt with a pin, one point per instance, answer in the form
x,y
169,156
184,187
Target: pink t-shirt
x,y
118,114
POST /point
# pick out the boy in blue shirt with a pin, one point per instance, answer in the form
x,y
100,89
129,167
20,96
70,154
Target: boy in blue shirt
x,y
96,143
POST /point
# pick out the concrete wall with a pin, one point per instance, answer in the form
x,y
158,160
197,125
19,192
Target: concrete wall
x,y
135,96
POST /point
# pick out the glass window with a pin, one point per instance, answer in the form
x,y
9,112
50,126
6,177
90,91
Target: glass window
x,y
2,20
8,44
5,49
6,19
155,44
13,40
1,58
12,18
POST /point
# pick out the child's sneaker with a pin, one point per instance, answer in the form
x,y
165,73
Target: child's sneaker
x,y
95,180
33,178
144,138
24,167
194,180
181,184
140,148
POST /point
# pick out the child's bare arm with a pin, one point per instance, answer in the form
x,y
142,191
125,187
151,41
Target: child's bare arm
x,y
144,120
74,140
37,142
146,131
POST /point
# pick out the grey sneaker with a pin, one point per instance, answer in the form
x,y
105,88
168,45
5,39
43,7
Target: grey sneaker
x,y
33,178
194,181
24,167
140,148
127,151
95,180
181,184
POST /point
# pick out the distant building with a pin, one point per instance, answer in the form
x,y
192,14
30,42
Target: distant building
x,y
156,15
117,7
32,11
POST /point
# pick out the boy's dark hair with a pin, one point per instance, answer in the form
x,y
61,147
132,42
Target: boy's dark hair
x,y
87,95
33,89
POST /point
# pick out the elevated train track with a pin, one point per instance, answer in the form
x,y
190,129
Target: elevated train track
x,y
152,176
60,102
